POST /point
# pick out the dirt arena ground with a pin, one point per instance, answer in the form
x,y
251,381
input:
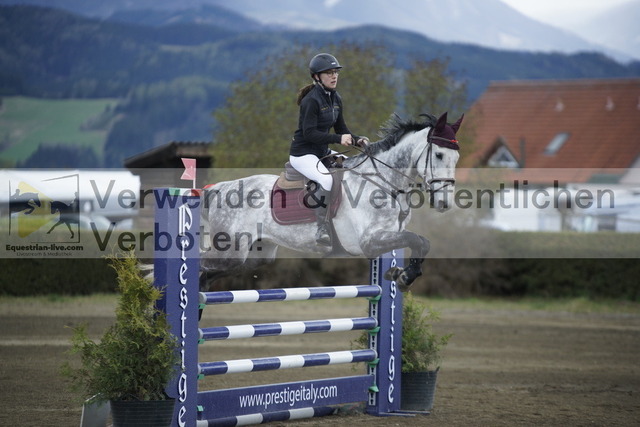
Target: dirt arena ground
x,y
508,364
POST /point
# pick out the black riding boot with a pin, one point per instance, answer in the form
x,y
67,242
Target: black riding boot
x,y
323,235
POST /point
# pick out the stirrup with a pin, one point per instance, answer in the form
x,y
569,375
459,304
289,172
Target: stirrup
x,y
323,238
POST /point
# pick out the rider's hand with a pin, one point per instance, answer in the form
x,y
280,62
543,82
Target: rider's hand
x,y
362,142
346,140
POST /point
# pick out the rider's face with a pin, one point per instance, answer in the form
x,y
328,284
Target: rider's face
x,y
329,79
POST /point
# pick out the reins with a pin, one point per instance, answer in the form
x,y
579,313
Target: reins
x,y
444,142
368,176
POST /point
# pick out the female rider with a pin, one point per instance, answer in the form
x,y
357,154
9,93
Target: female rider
x,y
320,110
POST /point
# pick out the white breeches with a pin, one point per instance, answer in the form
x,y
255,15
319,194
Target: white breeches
x,y
310,166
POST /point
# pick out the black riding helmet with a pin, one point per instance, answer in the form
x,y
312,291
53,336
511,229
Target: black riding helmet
x,y
323,62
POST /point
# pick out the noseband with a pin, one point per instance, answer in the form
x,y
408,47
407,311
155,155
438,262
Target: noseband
x,y
441,142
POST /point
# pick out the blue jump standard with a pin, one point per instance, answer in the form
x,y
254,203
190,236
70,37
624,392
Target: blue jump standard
x,y
176,270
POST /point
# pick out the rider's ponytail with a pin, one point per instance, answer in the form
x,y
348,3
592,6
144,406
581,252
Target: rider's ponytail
x,y
304,91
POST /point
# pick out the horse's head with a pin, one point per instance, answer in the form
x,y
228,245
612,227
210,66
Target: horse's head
x,y
440,164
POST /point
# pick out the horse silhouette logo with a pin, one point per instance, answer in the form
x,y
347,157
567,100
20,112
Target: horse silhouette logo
x,y
67,214
33,212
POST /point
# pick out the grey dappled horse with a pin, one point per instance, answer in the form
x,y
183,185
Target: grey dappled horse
x,y
371,219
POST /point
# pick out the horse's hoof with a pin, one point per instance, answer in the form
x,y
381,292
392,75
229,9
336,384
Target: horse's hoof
x,y
398,275
403,282
393,273
404,288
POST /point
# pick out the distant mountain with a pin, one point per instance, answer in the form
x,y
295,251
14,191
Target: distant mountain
x,y
203,15
51,53
489,23
104,9
618,28
171,77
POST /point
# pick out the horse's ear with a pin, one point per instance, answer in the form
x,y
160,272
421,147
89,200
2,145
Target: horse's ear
x,y
457,124
441,123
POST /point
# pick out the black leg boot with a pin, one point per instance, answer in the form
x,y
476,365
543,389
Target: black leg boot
x,y
323,235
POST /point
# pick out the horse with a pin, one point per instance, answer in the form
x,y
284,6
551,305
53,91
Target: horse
x,y
68,214
25,202
370,220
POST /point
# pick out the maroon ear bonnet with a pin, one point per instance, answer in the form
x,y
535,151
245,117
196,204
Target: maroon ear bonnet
x,y
444,135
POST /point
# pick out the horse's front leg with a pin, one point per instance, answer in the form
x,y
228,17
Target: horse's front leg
x,y
54,226
385,241
404,277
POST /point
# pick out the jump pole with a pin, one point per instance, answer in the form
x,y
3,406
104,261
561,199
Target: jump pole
x,y
176,264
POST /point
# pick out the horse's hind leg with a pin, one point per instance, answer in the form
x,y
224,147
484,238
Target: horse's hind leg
x,y
70,230
214,268
207,277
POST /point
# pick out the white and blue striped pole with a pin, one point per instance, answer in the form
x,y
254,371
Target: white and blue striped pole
x,y
286,362
287,328
289,294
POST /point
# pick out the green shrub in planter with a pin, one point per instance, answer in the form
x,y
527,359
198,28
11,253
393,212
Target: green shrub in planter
x,y
421,346
421,354
137,355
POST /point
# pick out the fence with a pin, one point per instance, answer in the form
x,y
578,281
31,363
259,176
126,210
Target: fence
x,y
177,261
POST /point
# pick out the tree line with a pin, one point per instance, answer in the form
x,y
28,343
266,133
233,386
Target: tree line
x,y
257,121
171,78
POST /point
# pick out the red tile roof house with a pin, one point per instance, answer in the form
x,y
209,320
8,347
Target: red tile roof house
x,y
563,134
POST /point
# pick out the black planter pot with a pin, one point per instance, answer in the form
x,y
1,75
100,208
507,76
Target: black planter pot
x,y
142,413
418,390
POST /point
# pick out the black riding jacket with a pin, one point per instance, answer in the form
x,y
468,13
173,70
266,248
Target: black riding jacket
x,y
320,110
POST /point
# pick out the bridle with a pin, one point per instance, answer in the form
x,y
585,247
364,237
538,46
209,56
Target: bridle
x,y
413,183
441,142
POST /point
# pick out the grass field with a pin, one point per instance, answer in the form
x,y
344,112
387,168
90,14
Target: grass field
x,y
510,362
25,123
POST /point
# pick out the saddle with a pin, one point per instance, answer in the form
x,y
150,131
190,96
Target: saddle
x,y
291,179
291,194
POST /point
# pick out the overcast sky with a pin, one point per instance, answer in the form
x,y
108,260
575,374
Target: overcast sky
x,y
562,12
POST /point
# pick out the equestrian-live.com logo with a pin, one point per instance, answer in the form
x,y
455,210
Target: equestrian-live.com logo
x,y
44,214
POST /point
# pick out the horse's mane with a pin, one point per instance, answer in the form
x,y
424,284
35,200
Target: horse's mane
x,y
393,131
